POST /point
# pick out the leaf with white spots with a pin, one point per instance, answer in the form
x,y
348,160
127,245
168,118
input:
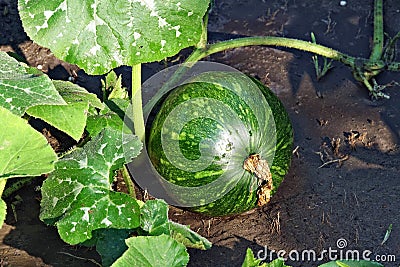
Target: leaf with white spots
x,y
23,150
101,35
22,87
150,251
154,217
70,118
78,195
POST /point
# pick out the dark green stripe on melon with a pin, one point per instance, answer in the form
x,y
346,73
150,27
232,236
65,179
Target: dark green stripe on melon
x,y
191,138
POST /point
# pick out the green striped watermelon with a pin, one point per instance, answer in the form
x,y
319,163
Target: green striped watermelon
x,y
226,137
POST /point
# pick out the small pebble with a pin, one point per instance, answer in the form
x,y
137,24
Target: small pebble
x,y
343,3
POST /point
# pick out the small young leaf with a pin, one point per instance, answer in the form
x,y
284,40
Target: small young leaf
x,y
153,251
22,87
23,151
105,119
186,236
111,116
154,217
78,194
113,87
101,35
386,237
154,220
250,260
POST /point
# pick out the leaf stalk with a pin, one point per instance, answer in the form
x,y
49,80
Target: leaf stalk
x,y
137,107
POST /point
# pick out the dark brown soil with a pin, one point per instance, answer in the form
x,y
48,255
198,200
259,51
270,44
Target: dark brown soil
x,y
354,199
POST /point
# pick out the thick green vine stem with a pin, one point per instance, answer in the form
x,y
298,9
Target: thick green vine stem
x,y
377,49
138,119
363,69
272,41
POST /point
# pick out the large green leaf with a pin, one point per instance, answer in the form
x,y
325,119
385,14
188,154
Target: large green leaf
x,y
110,243
23,151
78,195
101,35
70,118
153,251
22,87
